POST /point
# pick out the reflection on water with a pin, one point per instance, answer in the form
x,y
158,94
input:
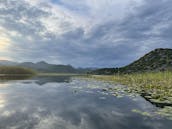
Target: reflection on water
x,y
40,80
11,78
66,103
53,79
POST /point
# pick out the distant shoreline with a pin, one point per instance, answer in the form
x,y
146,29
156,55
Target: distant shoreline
x,y
44,74
59,74
3,75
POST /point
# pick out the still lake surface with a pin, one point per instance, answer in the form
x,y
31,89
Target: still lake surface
x,y
64,102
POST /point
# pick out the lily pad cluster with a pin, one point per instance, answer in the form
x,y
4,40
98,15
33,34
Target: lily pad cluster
x,y
154,87
165,112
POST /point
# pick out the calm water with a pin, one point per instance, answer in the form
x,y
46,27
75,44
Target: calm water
x,y
66,103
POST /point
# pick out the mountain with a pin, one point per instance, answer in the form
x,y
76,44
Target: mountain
x,y
7,63
50,68
45,67
156,60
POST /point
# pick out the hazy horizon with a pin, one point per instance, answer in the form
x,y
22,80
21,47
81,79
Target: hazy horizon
x,y
99,33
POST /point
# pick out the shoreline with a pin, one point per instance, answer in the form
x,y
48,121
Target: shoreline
x,y
153,87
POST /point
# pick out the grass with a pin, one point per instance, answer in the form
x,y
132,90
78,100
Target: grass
x,y
15,71
155,87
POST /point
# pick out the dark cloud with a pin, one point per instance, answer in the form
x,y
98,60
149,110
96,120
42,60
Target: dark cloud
x,y
21,17
109,44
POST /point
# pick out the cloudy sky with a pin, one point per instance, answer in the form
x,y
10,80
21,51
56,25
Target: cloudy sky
x,y
83,33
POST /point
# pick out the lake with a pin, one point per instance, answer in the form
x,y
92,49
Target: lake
x,y
64,102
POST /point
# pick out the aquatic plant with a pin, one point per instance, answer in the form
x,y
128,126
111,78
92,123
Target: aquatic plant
x,y
15,70
156,87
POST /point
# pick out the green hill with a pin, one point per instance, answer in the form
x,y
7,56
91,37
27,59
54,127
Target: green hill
x,y
156,60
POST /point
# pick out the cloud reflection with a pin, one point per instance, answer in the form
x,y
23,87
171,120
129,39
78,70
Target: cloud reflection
x,y
55,105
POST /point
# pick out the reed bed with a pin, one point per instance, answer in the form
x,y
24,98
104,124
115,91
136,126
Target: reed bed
x,y
155,87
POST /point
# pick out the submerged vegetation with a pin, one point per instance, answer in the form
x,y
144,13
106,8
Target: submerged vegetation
x,y
14,70
155,87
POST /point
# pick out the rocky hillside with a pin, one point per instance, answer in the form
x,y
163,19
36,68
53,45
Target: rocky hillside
x,y
156,60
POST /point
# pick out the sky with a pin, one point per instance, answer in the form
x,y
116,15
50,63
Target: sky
x,y
83,33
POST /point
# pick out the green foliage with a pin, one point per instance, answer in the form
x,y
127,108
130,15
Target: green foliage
x,y
157,60
15,70
155,86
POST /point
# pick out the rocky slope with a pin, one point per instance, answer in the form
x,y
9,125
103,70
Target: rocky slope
x,y
156,60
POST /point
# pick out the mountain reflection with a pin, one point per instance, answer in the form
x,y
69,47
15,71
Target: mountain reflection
x,y
40,80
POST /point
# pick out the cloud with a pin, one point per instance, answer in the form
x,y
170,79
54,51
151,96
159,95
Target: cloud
x,y
84,33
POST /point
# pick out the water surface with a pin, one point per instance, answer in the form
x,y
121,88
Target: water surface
x,y
71,103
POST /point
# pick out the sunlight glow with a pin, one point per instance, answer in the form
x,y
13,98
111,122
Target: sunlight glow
x,y
6,58
2,101
4,39
4,43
